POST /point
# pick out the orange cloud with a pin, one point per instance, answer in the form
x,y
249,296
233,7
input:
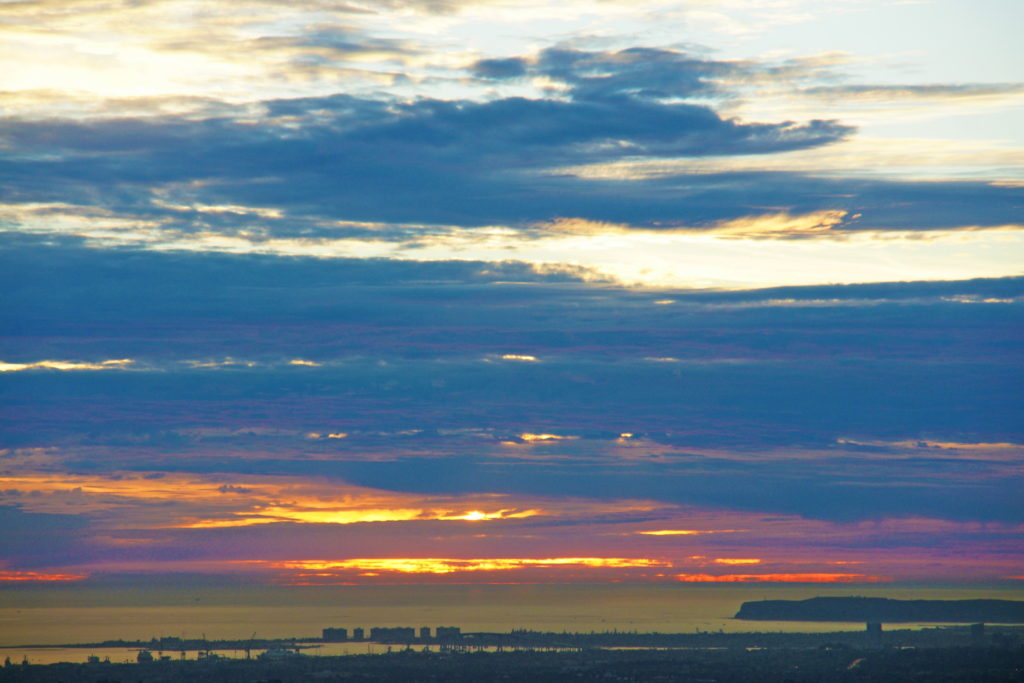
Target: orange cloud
x,y
477,515
192,501
271,514
39,576
170,487
248,500
778,578
688,532
436,565
725,560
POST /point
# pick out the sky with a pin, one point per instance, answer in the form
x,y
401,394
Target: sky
x,y
483,292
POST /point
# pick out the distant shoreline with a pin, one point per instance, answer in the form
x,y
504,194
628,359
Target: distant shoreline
x,y
885,610
539,639
996,660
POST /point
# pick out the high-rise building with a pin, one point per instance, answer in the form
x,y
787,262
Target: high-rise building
x,y
448,633
335,635
874,631
396,634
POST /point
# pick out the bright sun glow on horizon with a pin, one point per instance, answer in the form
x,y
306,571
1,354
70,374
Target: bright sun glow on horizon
x,y
749,254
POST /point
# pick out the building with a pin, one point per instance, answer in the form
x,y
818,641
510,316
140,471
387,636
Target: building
x,y
335,635
397,634
448,633
874,631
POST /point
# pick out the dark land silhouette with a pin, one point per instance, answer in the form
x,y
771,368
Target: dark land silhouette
x,y
945,654
885,610
455,640
992,664
979,652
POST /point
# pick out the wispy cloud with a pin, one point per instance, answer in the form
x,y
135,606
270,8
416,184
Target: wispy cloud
x,y
22,576
778,578
117,364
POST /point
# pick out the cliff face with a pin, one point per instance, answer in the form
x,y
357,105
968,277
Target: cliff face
x,y
885,610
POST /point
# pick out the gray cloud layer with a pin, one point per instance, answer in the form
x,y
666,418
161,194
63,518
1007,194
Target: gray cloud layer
x,y
426,367
470,163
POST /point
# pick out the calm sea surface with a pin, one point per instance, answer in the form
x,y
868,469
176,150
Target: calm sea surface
x,y
62,615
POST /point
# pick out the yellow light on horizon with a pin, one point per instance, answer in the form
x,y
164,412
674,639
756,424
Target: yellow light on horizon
x,y
437,565
725,560
688,532
270,515
530,438
478,515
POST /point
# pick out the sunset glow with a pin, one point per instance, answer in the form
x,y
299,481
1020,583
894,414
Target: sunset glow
x,y
252,501
688,532
431,565
324,516
19,576
532,438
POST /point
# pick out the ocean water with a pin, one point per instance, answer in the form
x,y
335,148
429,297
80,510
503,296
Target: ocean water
x,y
79,614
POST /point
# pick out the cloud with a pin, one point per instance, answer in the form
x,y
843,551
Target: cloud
x,y
763,226
510,67
351,155
450,565
149,501
453,163
331,167
20,534
22,576
779,578
117,364
822,391
937,91
641,73
861,156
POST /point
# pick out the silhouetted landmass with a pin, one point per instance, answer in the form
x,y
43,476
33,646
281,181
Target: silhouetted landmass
x,y
175,645
885,610
841,665
949,636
